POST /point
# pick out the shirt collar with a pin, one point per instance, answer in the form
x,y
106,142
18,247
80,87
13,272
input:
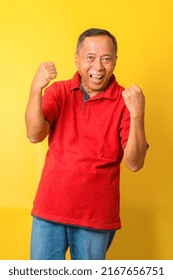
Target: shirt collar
x,y
109,93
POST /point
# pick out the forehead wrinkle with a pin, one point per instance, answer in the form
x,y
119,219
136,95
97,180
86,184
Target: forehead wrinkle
x,y
96,54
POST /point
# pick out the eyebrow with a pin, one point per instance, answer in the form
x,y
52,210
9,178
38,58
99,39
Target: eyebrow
x,y
90,54
102,55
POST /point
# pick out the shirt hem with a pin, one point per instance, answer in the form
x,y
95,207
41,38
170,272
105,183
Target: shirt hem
x,y
73,222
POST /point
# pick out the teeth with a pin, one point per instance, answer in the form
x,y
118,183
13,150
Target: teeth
x,y
96,76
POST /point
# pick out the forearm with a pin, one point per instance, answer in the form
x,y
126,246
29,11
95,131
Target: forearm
x,y
37,127
135,151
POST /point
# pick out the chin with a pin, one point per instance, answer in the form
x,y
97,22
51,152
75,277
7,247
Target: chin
x,y
95,86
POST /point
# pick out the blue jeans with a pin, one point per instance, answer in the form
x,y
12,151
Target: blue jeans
x,y
50,241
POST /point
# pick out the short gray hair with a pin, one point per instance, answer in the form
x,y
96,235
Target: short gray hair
x,y
95,32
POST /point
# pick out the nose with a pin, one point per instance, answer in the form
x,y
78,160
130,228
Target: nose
x,y
98,64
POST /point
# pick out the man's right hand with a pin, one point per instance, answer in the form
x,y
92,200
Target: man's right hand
x,y
45,73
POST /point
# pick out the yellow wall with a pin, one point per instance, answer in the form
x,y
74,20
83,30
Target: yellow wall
x,y
35,31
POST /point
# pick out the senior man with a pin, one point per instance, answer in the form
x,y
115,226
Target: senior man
x,y
91,123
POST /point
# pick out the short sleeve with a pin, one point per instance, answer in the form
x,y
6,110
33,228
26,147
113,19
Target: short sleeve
x,y
51,104
124,127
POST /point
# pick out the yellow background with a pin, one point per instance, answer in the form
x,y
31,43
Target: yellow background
x,y
35,31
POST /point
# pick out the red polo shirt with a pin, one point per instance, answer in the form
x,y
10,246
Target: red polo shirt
x,y
80,179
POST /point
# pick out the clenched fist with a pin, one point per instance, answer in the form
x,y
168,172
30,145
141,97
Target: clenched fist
x,y
45,73
135,101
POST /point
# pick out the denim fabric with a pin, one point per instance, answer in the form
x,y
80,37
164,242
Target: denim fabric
x,y
50,241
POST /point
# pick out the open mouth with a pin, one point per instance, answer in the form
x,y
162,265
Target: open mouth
x,y
96,77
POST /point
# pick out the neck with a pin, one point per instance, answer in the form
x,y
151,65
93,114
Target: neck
x,y
90,91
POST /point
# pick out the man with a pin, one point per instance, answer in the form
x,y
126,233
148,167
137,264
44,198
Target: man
x,y
91,122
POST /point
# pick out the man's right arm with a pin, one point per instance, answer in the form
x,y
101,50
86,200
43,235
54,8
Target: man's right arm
x,y
36,125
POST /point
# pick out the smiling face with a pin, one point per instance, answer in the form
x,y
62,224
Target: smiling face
x,y
96,60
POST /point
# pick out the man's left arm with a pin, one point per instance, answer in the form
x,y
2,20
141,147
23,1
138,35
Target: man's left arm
x,y
136,147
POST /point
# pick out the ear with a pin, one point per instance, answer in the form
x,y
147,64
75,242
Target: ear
x,y
115,61
76,60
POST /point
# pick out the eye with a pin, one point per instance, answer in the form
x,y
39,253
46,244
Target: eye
x,y
90,58
106,59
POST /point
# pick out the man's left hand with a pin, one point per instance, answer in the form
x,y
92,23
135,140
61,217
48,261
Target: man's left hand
x,y
135,101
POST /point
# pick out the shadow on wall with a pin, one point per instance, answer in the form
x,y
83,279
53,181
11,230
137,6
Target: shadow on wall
x,y
136,239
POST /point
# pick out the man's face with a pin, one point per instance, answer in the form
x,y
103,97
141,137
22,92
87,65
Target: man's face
x,y
96,60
